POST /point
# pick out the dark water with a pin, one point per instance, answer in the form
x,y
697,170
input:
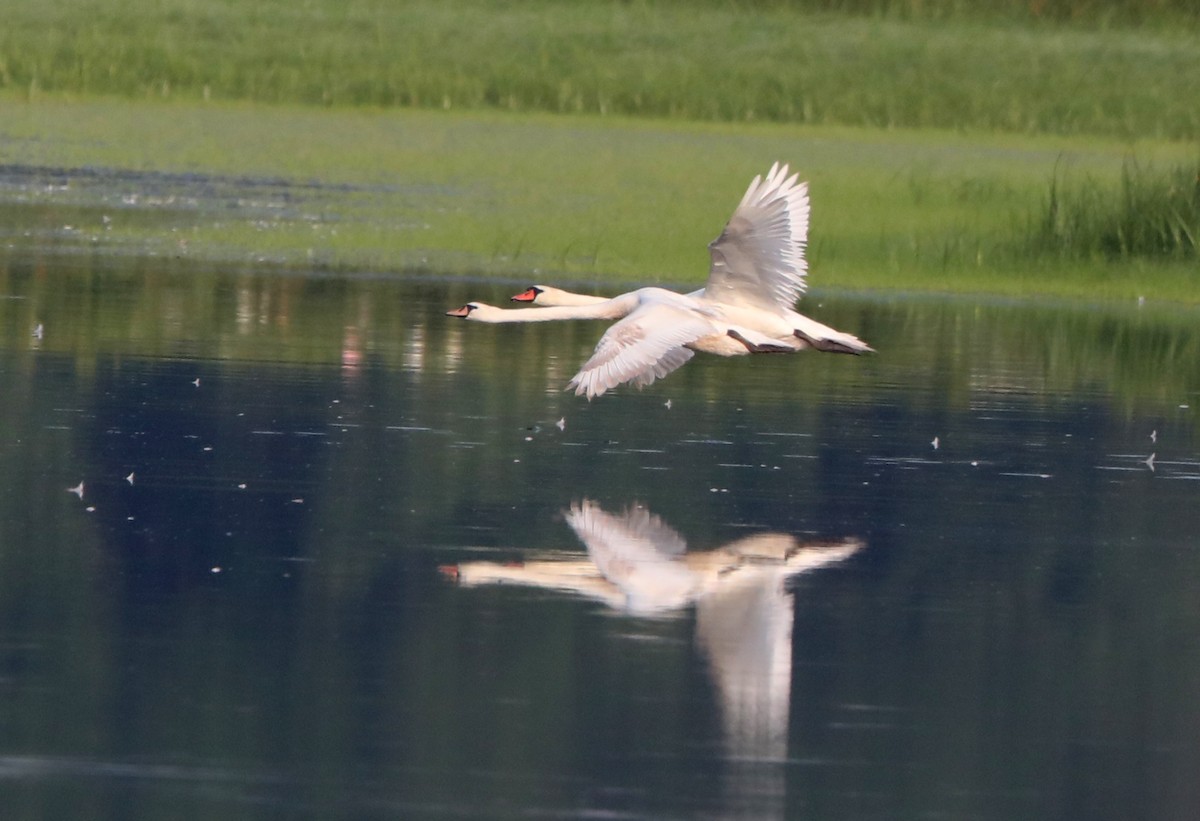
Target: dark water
x,y
249,610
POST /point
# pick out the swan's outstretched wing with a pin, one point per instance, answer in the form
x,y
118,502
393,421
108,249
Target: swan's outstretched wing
x,y
647,528
759,258
644,346
636,552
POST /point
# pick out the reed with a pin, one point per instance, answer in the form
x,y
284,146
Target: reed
x,y
870,63
597,202
1151,213
1086,12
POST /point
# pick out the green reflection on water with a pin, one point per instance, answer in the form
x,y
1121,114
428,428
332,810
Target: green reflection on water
x,y
91,304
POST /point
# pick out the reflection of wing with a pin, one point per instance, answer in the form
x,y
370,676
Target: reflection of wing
x,y
744,625
637,528
758,259
643,524
745,629
644,346
637,553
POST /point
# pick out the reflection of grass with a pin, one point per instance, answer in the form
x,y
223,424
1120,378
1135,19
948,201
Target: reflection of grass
x,y
1145,357
908,65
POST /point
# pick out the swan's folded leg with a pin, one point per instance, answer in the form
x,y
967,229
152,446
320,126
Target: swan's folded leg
x,y
760,343
833,345
817,554
826,339
764,547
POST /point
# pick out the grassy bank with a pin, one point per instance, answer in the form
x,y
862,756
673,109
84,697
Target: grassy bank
x,y
599,201
868,63
949,149
1151,214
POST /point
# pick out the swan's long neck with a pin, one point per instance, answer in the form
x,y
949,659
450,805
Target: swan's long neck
x,y
558,298
604,309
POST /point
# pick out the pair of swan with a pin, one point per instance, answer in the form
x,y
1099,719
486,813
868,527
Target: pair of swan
x,y
806,332
744,612
637,563
757,273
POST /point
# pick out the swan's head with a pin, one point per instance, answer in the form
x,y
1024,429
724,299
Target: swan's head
x,y
466,310
530,294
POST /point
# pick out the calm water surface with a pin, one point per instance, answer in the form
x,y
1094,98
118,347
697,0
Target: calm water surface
x,y
278,546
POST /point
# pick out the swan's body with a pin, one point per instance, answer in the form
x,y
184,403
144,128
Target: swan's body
x,y
658,331
757,273
810,332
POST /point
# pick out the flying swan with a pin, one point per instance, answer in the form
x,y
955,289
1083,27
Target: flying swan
x,y
757,273
810,332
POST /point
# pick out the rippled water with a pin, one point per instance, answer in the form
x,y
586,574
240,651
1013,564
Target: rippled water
x,y
284,546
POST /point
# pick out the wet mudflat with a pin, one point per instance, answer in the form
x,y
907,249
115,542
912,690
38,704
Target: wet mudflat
x,y
276,545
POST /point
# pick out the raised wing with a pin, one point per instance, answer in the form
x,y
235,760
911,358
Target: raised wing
x,y
644,346
758,260
638,553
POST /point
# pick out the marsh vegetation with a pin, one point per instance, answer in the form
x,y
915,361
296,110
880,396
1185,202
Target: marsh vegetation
x,y
949,147
948,66
1154,213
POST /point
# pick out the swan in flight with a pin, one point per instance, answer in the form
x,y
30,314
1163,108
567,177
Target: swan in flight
x,y
757,273
810,332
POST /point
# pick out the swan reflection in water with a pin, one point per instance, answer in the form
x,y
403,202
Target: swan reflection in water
x,y
638,564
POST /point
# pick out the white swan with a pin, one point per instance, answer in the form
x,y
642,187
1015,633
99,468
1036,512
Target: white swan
x,y
810,332
757,273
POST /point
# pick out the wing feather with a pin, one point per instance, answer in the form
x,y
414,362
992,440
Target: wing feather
x,y
758,260
637,552
644,346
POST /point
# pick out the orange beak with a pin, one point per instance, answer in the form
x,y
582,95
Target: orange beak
x,y
463,311
528,295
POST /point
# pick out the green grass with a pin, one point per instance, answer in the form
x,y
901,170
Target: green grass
x,y
899,64
1151,214
1100,13
930,131
598,201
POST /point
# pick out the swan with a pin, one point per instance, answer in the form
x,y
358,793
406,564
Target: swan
x,y
658,332
638,563
810,332
758,271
